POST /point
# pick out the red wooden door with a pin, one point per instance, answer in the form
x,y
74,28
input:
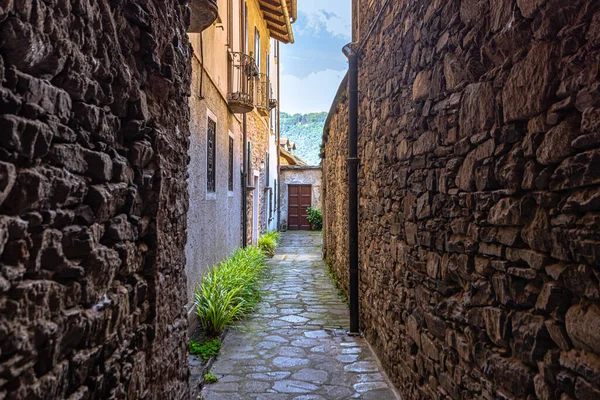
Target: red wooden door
x,y
299,199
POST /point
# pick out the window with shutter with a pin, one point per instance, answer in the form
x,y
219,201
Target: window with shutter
x,y
250,182
230,164
268,170
211,154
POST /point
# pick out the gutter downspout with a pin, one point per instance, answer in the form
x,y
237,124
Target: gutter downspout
x,y
278,135
244,183
353,162
288,23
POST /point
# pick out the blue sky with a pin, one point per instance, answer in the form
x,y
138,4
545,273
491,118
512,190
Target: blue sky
x,y
313,67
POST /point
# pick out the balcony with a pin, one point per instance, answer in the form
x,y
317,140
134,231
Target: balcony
x,y
243,73
204,13
265,101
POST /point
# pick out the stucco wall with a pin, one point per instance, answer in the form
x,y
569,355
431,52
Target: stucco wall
x,y
291,175
214,220
479,177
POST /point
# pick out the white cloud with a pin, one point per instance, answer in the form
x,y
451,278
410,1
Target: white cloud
x,y
333,16
314,93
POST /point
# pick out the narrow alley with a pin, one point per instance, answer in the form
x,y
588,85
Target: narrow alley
x,y
295,346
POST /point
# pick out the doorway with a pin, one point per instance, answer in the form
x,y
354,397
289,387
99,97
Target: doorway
x,y
299,199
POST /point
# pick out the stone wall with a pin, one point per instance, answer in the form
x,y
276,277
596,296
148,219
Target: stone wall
x,y
335,187
93,155
479,185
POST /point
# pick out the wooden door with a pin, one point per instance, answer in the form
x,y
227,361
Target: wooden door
x,y
299,199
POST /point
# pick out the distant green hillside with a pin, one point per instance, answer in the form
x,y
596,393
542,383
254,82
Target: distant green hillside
x,y
306,131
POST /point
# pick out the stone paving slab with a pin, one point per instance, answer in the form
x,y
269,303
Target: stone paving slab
x,y
295,345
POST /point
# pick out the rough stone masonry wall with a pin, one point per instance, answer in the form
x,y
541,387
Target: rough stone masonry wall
x,y
93,156
334,198
479,196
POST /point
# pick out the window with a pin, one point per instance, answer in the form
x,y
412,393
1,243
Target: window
x,y
268,169
230,186
257,48
268,65
211,155
249,162
270,204
275,194
230,23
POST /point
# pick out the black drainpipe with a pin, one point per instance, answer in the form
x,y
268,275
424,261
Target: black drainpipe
x,y
244,180
353,162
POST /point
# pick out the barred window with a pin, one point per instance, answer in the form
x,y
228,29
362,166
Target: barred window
x,y
230,164
211,155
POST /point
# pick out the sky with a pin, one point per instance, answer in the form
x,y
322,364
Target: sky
x,y
313,67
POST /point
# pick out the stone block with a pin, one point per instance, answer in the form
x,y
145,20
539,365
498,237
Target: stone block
x,y
577,171
583,280
583,327
477,109
497,325
465,178
421,86
556,145
530,82
531,338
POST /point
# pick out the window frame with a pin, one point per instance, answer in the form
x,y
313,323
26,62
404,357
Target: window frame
x,y
211,194
257,48
231,165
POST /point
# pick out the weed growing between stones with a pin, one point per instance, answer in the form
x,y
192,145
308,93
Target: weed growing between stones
x,y
269,242
205,349
210,378
229,291
336,282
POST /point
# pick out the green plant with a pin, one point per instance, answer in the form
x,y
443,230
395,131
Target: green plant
x,y
315,217
269,242
229,290
205,349
210,378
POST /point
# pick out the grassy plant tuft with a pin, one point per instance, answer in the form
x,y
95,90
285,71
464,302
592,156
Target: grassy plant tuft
x,y
269,242
205,349
210,378
229,290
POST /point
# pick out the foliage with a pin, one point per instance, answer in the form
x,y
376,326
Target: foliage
x,y
306,130
269,242
205,349
315,217
229,291
210,378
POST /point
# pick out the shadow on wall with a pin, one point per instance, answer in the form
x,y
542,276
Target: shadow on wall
x,y
479,166
93,199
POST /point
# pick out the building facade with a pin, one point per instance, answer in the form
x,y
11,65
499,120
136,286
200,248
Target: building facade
x,y
479,168
300,188
233,171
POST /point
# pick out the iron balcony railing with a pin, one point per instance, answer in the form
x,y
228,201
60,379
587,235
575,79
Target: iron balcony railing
x,y
243,73
264,93
265,101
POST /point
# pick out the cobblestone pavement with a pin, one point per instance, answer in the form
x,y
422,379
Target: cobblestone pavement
x,y
295,345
